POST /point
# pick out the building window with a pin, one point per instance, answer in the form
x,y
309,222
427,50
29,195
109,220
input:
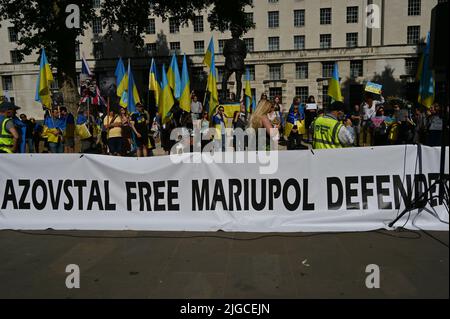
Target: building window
x,y
249,17
275,72
326,100
54,85
352,40
299,18
327,69
77,51
98,50
302,92
7,83
274,92
15,57
151,26
199,47
414,7
274,19
174,26
413,35
352,14
12,32
325,16
301,71
274,43
198,24
299,42
221,45
175,47
96,4
356,68
273,1
251,71
411,66
325,41
150,48
97,27
250,44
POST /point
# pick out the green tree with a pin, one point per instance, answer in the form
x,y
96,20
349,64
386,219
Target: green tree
x,y
42,23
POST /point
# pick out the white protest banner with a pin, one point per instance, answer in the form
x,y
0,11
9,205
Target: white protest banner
x,y
354,189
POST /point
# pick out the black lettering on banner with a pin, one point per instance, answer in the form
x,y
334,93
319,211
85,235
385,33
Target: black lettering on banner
x,y
351,192
39,205
25,183
340,193
307,206
365,191
108,205
246,195
9,195
382,192
69,205
200,197
158,196
145,191
219,195
291,183
54,200
432,178
274,191
234,195
172,195
259,206
420,185
130,194
80,185
95,196
399,190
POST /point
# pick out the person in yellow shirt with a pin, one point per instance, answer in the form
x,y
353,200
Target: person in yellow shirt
x,y
113,126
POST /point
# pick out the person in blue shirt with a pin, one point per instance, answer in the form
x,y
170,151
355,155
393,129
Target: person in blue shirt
x,y
218,121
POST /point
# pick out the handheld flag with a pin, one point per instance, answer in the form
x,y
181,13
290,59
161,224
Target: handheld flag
x,y
121,78
45,78
185,100
212,87
334,89
248,91
131,96
209,53
173,76
166,100
425,74
85,70
153,83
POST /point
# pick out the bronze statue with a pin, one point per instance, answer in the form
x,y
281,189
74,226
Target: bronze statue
x,y
235,52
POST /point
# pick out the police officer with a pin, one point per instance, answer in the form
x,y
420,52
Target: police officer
x,y
328,130
9,136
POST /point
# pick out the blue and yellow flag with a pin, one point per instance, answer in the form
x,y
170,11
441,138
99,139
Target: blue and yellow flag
x,y
426,80
173,77
166,100
212,87
209,53
130,97
44,81
121,78
248,91
185,100
153,83
334,88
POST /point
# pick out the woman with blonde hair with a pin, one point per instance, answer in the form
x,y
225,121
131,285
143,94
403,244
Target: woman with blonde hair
x,y
260,119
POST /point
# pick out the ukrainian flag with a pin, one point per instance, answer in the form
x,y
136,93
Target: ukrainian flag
x,y
121,79
185,100
209,53
166,100
153,82
425,74
212,87
334,88
248,91
45,78
173,77
133,94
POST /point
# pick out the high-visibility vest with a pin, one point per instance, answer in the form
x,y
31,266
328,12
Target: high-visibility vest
x,y
6,138
326,133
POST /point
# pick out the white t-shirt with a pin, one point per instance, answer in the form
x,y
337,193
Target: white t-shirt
x,y
196,107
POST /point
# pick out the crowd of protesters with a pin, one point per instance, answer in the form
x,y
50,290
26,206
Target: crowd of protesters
x,y
114,131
